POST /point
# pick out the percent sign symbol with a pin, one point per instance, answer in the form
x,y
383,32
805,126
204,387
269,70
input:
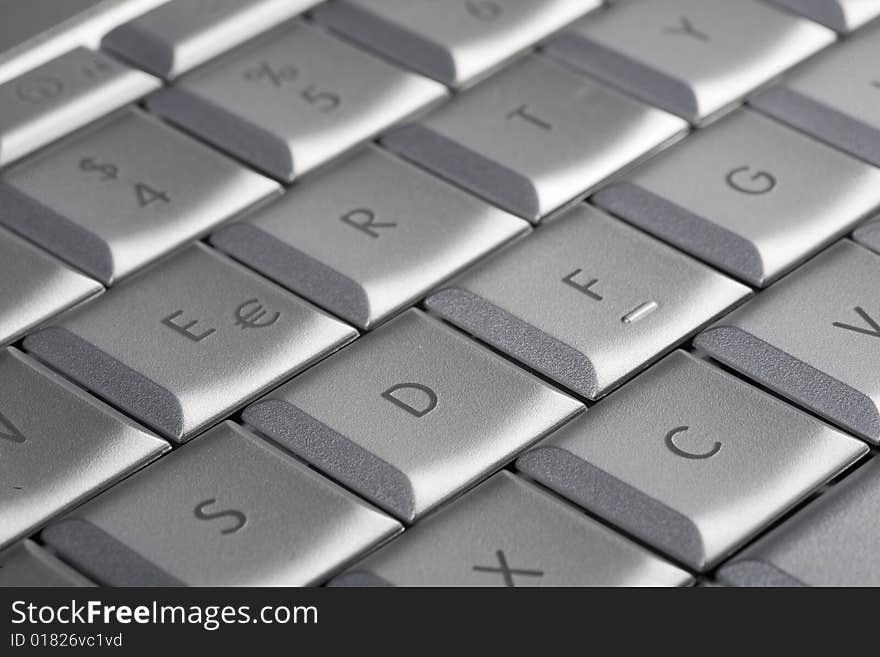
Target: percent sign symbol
x,y
267,73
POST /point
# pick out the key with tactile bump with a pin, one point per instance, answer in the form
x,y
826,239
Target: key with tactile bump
x,y
690,57
508,532
368,237
227,509
188,341
690,459
34,286
58,445
427,412
292,100
63,95
813,337
834,97
597,301
179,35
26,564
830,542
748,195
533,137
840,15
454,42
123,192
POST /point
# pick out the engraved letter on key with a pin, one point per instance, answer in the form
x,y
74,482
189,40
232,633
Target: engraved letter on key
x,y
582,287
9,431
420,400
237,516
184,329
678,451
364,220
742,180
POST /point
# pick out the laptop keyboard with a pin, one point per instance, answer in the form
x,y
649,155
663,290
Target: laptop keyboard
x,y
411,293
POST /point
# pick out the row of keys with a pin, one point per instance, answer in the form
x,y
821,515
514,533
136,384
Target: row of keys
x,y
456,42
288,102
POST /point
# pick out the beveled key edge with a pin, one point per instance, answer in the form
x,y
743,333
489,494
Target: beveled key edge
x,y
792,378
820,121
868,234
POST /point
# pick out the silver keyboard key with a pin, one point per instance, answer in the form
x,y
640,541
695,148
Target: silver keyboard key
x,y
58,445
834,97
63,95
508,532
587,300
179,35
813,338
34,286
410,414
534,136
26,564
831,542
690,459
747,195
188,341
368,237
840,15
123,192
690,57
455,42
227,509
293,100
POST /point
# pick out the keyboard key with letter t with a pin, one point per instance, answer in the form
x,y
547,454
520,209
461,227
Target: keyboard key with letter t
x,y
179,35
840,15
58,445
834,97
508,532
63,95
188,341
292,100
748,195
586,300
456,41
813,337
368,237
831,542
690,459
228,509
534,137
123,192
410,414
690,57
34,286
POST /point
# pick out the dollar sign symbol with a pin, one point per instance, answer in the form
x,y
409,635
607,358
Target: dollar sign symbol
x,y
108,171
251,318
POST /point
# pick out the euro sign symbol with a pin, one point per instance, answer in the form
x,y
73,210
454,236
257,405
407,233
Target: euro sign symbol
x,y
250,313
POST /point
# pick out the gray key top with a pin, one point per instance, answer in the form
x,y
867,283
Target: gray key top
x,y
508,532
813,337
26,564
368,237
868,234
586,300
179,35
690,459
840,15
228,509
188,341
834,97
534,136
293,100
112,198
63,95
831,542
34,286
747,195
410,414
58,445
691,57
455,42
